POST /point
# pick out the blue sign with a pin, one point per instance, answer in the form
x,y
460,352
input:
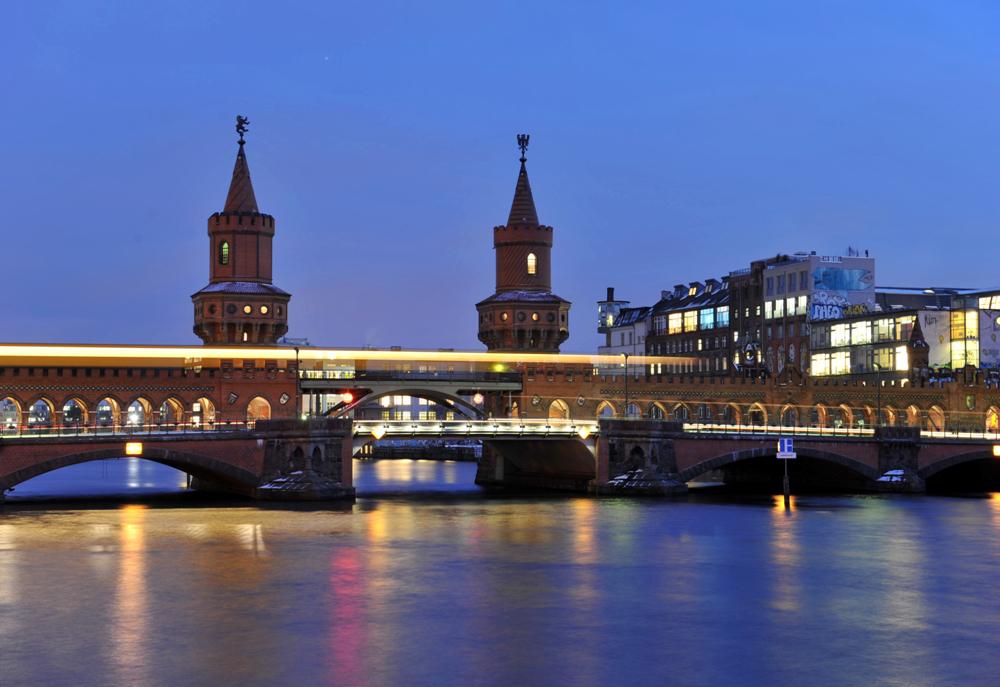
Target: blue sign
x,y
785,446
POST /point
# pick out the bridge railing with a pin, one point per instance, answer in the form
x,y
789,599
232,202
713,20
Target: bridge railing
x,y
419,376
844,431
80,430
497,427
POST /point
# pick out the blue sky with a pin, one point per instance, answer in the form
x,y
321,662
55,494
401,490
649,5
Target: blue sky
x,y
671,141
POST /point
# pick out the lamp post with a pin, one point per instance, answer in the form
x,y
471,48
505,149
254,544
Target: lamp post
x,y
298,393
625,411
878,394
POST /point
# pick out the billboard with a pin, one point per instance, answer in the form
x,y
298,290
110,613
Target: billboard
x,y
841,291
936,327
989,339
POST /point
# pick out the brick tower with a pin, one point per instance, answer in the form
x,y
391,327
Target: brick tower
x,y
240,304
523,314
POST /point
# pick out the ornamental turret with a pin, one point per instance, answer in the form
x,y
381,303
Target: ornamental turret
x,y
240,305
523,314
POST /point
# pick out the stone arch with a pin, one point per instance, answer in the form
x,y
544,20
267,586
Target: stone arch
x,y
993,420
258,408
846,418
41,412
11,416
606,409
769,451
107,413
731,414
203,413
681,413
789,416
817,415
757,415
935,418
139,412
889,416
170,413
515,410
73,412
938,466
656,411
703,412
198,465
558,410
912,416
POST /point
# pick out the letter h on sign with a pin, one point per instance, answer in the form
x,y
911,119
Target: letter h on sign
x,y
786,449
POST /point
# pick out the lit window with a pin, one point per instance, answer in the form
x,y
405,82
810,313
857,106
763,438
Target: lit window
x,y
722,316
706,318
247,309
503,316
693,291
674,321
691,321
224,253
244,336
534,316
532,263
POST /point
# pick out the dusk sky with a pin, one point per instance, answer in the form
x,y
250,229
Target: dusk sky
x,y
670,142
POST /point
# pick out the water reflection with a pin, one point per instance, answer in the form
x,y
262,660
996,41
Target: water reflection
x,y
128,628
785,551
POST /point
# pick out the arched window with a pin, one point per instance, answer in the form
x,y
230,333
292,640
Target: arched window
x,y
532,264
224,253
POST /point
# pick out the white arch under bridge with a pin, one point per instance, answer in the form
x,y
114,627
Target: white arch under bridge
x,y
366,431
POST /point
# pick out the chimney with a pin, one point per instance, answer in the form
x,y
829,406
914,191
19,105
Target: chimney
x,y
680,290
611,293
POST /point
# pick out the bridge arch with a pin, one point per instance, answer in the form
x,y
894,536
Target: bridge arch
x,y
171,411
194,464
731,414
74,412
108,412
203,413
10,414
558,410
41,412
139,412
818,415
466,408
606,409
757,415
912,416
258,408
935,419
803,451
681,413
983,455
656,411
789,416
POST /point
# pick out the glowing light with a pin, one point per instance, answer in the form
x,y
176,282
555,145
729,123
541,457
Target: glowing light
x,y
996,450
478,399
133,448
583,432
378,431
347,396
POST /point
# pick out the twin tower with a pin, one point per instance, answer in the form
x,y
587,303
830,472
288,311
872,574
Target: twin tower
x,y
241,305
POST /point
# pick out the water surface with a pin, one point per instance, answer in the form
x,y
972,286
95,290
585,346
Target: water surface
x,y
426,581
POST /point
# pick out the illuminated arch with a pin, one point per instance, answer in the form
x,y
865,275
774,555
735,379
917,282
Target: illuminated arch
x,y
935,419
74,412
139,412
681,413
532,264
203,413
993,420
10,414
515,410
789,416
41,413
889,416
224,252
258,409
462,405
731,414
171,413
107,413
656,411
606,409
757,415
817,415
558,410
913,416
846,418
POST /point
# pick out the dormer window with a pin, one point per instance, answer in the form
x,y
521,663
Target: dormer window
x,y
532,264
224,253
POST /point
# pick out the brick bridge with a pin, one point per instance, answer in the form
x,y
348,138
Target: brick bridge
x,y
275,459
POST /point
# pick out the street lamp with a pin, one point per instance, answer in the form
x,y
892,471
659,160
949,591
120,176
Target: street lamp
x,y
625,355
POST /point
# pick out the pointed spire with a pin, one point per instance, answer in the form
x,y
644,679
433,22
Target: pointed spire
x,y
241,197
522,210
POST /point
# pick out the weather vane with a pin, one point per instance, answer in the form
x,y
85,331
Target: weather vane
x,y
241,127
522,143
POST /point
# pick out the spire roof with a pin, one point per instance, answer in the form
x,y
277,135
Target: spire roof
x,y
241,197
522,210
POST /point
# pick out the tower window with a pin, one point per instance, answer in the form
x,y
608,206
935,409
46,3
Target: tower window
x,y
532,264
224,253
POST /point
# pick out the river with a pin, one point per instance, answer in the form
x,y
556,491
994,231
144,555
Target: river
x,y
427,581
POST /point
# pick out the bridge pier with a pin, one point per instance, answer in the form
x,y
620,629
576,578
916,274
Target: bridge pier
x,y
637,457
899,450
306,460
